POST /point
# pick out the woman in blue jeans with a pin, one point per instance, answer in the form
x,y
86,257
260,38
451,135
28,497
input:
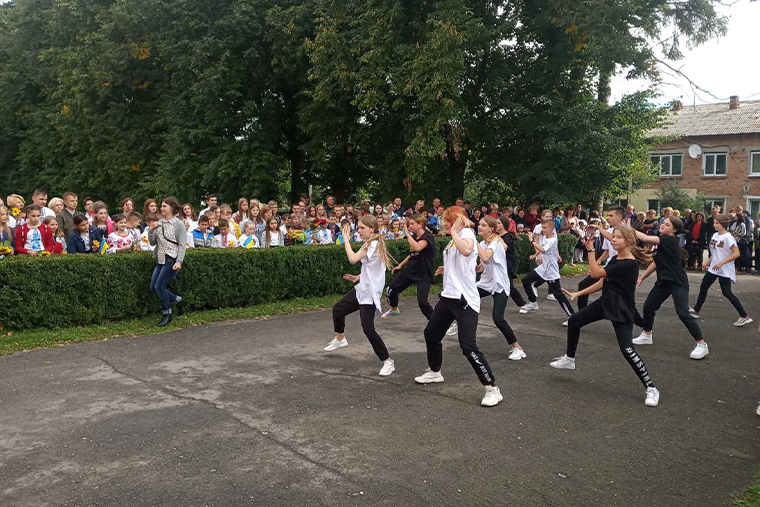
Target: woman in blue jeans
x,y
168,235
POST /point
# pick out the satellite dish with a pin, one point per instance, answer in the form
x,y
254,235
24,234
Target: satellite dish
x,y
695,151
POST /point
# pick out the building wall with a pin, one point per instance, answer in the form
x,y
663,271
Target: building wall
x,y
737,187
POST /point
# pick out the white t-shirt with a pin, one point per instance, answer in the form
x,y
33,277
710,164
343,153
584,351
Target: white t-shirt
x,y
607,245
549,268
11,221
495,278
274,238
371,279
720,248
459,272
46,212
538,231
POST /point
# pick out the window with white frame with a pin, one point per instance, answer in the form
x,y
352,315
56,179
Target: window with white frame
x,y
714,164
653,204
754,163
713,202
668,164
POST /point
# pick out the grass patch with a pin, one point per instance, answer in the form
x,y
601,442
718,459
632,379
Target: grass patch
x,y
750,497
11,342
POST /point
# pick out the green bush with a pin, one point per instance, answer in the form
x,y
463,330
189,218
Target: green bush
x,y
86,289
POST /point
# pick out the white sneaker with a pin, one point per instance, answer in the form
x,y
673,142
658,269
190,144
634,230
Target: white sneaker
x,y
699,351
742,321
643,339
336,344
758,410
493,396
388,367
528,307
517,354
563,363
691,310
389,314
429,377
694,315
565,323
452,329
653,397
535,290
551,297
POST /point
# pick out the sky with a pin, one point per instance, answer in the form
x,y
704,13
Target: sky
x,y
726,66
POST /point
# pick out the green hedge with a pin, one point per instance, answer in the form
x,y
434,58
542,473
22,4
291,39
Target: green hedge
x,y
86,289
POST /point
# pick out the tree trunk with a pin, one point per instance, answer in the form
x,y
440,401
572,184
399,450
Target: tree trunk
x,y
296,169
604,88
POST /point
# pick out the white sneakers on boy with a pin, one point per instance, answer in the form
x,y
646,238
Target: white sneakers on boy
x,y
563,363
452,329
551,297
389,366
643,339
429,377
699,351
517,354
336,344
653,397
493,396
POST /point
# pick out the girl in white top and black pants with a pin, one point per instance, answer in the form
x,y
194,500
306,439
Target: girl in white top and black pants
x,y
459,302
723,251
365,296
495,279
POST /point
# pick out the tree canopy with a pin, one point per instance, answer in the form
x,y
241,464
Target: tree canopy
x,y
389,97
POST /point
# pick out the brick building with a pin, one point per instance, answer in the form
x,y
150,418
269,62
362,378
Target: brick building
x,y
727,166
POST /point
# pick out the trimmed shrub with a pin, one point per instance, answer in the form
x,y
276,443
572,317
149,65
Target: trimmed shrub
x,y
69,290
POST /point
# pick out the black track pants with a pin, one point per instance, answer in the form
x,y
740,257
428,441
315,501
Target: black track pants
x,y
554,287
623,332
661,292
401,283
725,287
447,311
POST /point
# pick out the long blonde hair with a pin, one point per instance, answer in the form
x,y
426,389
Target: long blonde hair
x,y
641,254
5,227
382,249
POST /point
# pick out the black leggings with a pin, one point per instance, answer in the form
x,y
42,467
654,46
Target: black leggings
x,y
554,287
347,305
513,292
623,331
401,283
447,311
500,300
725,287
655,299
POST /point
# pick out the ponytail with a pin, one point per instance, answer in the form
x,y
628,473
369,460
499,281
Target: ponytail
x,y
382,249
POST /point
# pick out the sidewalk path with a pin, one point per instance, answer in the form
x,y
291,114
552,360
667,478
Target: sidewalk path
x,y
254,413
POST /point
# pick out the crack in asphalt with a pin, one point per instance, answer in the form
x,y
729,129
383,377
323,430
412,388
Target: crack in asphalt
x,y
264,433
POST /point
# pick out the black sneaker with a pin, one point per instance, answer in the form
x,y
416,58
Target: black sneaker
x,y
165,320
181,307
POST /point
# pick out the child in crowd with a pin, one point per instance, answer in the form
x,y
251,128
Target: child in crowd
x,y
188,216
101,220
249,239
6,235
33,237
60,241
284,220
324,237
394,231
133,225
272,236
308,232
225,238
84,236
203,235
225,212
121,240
89,204
151,221
579,255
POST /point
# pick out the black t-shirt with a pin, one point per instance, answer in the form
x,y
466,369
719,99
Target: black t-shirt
x,y
667,258
422,263
511,259
618,291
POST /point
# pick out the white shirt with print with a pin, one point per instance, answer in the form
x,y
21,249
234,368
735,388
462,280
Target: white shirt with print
x,y
607,245
720,248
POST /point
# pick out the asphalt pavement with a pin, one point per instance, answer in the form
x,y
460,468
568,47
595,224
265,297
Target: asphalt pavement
x,y
255,413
